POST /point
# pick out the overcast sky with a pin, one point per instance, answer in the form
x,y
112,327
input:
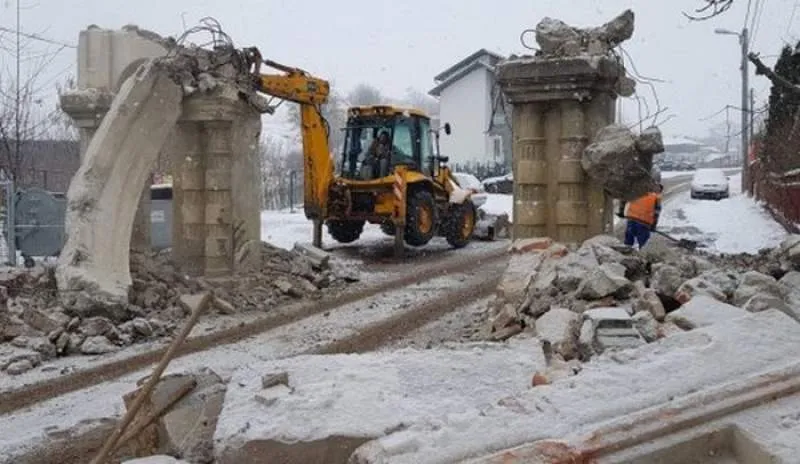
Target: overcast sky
x,y
394,45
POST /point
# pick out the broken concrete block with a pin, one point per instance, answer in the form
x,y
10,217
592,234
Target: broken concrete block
x,y
319,258
789,250
647,325
11,327
43,346
19,367
650,302
554,35
527,245
606,280
791,280
650,141
95,326
190,303
104,194
142,327
270,395
559,327
97,345
699,286
612,160
356,397
273,379
224,306
611,329
45,320
187,429
702,311
753,283
572,269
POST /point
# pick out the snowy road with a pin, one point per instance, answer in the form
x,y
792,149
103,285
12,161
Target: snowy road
x,y
734,225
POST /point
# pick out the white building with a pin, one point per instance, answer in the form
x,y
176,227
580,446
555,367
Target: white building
x,y
471,102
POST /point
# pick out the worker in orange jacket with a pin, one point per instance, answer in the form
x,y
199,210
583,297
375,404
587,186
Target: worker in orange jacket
x,y
642,215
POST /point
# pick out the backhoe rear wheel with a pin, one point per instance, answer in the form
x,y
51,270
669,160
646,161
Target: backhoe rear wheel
x,y
420,218
460,224
345,231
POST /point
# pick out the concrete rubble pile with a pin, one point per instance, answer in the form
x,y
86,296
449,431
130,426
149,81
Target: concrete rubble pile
x,y
604,296
35,326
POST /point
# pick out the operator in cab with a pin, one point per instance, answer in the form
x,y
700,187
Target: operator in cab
x,y
642,215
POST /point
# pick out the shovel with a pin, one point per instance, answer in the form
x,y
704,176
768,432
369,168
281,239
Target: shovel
x,y
684,243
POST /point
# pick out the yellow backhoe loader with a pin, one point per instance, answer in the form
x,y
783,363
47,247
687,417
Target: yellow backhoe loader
x,y
388,173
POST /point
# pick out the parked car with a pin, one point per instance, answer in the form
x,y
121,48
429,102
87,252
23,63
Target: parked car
x,y
501,184
710,183
471,183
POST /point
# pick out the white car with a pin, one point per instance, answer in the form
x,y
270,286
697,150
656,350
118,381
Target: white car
x,y
710,183
471,183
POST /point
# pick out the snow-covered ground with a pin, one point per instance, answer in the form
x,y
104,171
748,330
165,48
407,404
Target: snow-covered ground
x,y
283,228
738,224
499,203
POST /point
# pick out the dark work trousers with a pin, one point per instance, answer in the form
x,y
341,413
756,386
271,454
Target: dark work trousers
x,y
637,232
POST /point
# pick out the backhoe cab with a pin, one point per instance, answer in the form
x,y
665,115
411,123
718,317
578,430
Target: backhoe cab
x,y
389,174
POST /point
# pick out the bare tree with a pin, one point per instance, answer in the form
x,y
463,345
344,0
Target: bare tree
x,y
278,160
422,101
335,114
709,9
365,94
26,110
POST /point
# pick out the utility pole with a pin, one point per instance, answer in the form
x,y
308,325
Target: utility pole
x,y
745,45
745,109
17,104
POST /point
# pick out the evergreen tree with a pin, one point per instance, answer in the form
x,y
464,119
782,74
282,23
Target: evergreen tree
x,y
783,121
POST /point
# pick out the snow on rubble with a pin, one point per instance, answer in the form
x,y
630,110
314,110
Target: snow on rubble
x,y
36,328
738,224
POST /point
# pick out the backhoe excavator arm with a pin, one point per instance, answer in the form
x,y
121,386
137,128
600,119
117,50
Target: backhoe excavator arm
x,y
310,93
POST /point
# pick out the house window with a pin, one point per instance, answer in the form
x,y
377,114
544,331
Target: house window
x,y
497,148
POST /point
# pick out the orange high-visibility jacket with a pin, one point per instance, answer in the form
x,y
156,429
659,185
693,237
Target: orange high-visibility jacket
x,y
645,209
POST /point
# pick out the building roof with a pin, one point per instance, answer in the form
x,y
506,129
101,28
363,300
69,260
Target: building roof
x,y
461,69
436,91
445,74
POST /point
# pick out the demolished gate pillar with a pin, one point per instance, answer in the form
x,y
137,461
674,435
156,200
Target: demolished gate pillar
x,y
559,104
216,186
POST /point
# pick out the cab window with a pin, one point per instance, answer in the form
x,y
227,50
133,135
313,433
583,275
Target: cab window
x,y
426,147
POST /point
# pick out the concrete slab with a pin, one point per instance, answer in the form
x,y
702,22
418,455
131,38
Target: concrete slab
x,y
615,385
702,311
104,193
336,403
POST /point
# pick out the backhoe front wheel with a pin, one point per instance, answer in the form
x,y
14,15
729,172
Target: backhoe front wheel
x,y
420,218
345,231
460,224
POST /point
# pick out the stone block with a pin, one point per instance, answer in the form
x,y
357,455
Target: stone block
x,y
702,311
353,398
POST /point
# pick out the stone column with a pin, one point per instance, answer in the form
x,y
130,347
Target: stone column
x,y
558,106
216,186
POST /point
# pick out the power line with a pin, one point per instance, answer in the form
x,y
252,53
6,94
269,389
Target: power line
x,y
755,26
38,37
791,17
